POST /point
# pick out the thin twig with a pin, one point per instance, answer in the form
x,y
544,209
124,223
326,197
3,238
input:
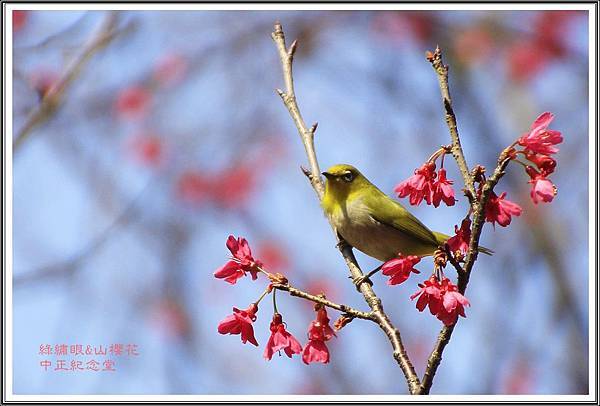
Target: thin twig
x,y
478,204
457,152
350,311
307,136
49,105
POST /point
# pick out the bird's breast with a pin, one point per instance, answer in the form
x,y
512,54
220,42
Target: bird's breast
x,y
356,225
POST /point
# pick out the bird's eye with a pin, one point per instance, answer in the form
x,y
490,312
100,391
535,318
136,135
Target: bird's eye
x,y
348,177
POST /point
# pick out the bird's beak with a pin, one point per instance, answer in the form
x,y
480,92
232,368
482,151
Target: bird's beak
x,y
327,175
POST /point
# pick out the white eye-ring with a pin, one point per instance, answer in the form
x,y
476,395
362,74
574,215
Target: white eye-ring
x,y
348,177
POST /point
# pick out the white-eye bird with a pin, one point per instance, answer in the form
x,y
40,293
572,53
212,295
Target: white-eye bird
x,y
372,222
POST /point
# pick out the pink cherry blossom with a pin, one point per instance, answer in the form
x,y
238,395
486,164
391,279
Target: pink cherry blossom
x,y
452,303
441,190
319,331
460,241
419,186
540,139
429,294
499,210
241,262
315,351
322,321
545,164
400,268
240,322
542,189
281,339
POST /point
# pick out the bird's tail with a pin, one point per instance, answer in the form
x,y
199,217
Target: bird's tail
x,y
442,238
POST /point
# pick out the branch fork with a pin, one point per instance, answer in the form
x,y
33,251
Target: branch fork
x,y
477,208
306,134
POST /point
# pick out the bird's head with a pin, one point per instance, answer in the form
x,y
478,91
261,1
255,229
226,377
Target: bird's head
x,y
343,181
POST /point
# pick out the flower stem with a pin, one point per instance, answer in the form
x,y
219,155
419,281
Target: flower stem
x,y
262,296
520,162
436,154
274,302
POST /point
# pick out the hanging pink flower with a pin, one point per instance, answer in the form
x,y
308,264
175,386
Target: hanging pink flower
x,y
319,331
281,339
542,189
240,322
441,190
429,294
452,303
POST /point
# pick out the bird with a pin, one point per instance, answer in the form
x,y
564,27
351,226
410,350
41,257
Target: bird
x,y
370,221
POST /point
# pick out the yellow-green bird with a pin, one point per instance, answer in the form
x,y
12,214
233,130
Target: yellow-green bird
x,y
372,222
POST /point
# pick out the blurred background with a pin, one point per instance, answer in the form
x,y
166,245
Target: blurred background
x,y
143,139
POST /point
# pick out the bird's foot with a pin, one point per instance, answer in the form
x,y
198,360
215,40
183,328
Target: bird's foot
x,y
359,280
365,278
342,244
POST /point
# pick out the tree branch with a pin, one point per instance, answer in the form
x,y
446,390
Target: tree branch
x,y
314,175
350,311
49,105
477,203
457,152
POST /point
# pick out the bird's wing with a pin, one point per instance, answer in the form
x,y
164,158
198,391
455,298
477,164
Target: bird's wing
x,y
392,214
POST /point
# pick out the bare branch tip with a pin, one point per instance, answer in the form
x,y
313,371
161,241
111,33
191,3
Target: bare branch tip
x,y
313,128
281,93
305,171
278,31
293,47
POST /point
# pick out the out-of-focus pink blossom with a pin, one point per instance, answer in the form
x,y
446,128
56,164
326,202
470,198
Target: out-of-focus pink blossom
x,y
525,59
146,148
551,31
194,187
19,18
473,44
234,186
170,69
133,102
273,256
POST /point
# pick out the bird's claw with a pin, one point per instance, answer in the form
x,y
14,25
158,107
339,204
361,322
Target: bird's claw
x,y
342,245
359,280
